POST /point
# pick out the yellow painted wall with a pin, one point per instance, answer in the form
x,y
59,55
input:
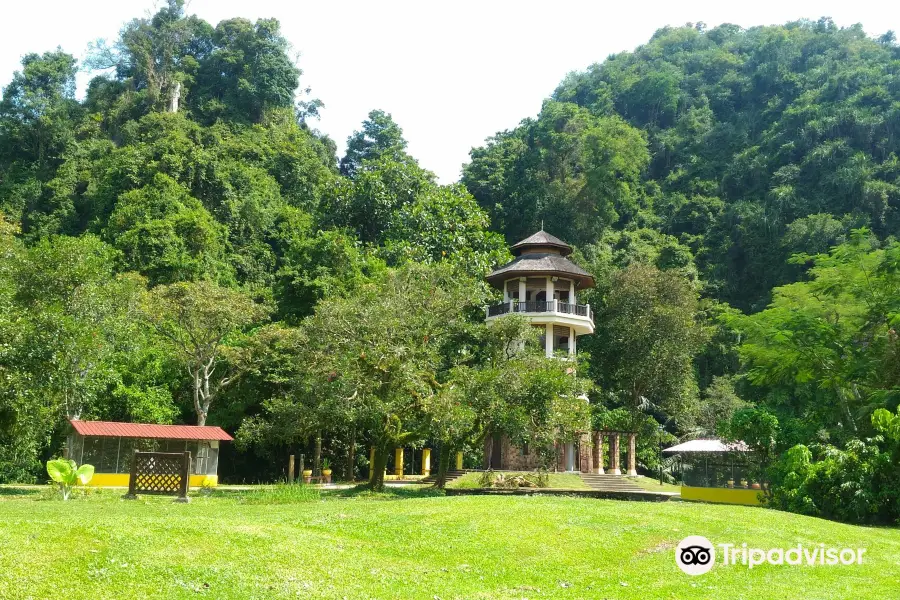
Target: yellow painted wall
x,y
721,495
121,480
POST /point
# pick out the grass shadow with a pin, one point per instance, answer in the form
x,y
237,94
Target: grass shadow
x,y
21,490
363,491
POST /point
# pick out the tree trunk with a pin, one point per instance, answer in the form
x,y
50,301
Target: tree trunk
x,y
381,457
443,465
317,455
842,397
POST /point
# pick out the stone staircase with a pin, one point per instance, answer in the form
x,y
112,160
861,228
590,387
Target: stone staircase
x,y
451,476
610,483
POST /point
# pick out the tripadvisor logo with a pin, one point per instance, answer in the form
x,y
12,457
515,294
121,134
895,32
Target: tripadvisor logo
x,y
696,555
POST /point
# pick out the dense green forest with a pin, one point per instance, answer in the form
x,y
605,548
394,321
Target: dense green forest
x,y
182,245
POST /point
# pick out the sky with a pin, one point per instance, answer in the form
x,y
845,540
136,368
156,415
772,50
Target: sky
x,y
450,73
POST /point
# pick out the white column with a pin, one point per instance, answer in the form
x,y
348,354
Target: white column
x,y
572,292
548,340
570,457
549,293
505,292
521,290
572,341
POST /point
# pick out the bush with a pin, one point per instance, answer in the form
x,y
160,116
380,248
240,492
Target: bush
x,y
511,481
857,484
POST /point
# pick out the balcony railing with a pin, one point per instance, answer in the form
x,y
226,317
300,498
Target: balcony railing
x,y
541,306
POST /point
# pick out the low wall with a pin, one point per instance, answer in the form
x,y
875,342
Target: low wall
x,y
721,495
581,493
121,480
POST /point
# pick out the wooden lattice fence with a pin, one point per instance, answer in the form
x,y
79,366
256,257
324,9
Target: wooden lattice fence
x,y
161,473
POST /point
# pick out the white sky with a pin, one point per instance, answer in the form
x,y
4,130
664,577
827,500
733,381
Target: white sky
x,y
451,73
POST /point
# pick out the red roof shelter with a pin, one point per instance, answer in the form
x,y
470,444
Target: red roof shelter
x,y
146,430
110,446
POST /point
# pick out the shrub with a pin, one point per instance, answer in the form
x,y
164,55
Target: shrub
x,y
511,481
857,484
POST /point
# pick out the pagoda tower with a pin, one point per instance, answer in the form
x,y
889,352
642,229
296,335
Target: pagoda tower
x,y
542,285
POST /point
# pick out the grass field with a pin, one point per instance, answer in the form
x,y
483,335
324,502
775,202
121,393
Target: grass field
x,y
407,544
554,480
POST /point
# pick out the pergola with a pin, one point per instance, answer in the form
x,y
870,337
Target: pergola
x,y
614,452
109,446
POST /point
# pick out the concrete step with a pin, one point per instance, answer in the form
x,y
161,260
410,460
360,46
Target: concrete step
x,y
610,483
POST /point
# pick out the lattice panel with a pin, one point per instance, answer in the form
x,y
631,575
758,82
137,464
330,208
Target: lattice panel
x,y
159,472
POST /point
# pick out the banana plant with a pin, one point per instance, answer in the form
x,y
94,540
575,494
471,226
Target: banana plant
x,y
67,474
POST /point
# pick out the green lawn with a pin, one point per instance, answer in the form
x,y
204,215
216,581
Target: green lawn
x,y
411,544
566,481
648,483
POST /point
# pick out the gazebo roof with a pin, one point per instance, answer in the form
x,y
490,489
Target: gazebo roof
x,y
541,239
539,255
541,264
713,445
146,430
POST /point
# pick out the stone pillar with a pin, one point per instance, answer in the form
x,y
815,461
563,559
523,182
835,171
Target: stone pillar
x,y
398,462
614,454
572,291
426,462
632,471
459,461
372,463
548,340
521,290
585,454
571,341
597,451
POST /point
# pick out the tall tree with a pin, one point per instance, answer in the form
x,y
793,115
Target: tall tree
x,y
380,137
379,351
198,319
646,337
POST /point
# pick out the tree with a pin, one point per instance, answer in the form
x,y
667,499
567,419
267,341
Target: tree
x,y
508,386
646,337
718,404
38,112
79,313
832,337
573,171
167,235
378,352
157,58
380,137
247,73
444,223
199,320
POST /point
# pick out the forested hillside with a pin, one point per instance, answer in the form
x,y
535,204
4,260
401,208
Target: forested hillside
x,y
182,245
745,146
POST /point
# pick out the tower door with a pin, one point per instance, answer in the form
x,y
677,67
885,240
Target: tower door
x,y
496,453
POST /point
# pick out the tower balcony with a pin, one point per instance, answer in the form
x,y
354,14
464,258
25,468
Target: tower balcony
x,y
578,316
